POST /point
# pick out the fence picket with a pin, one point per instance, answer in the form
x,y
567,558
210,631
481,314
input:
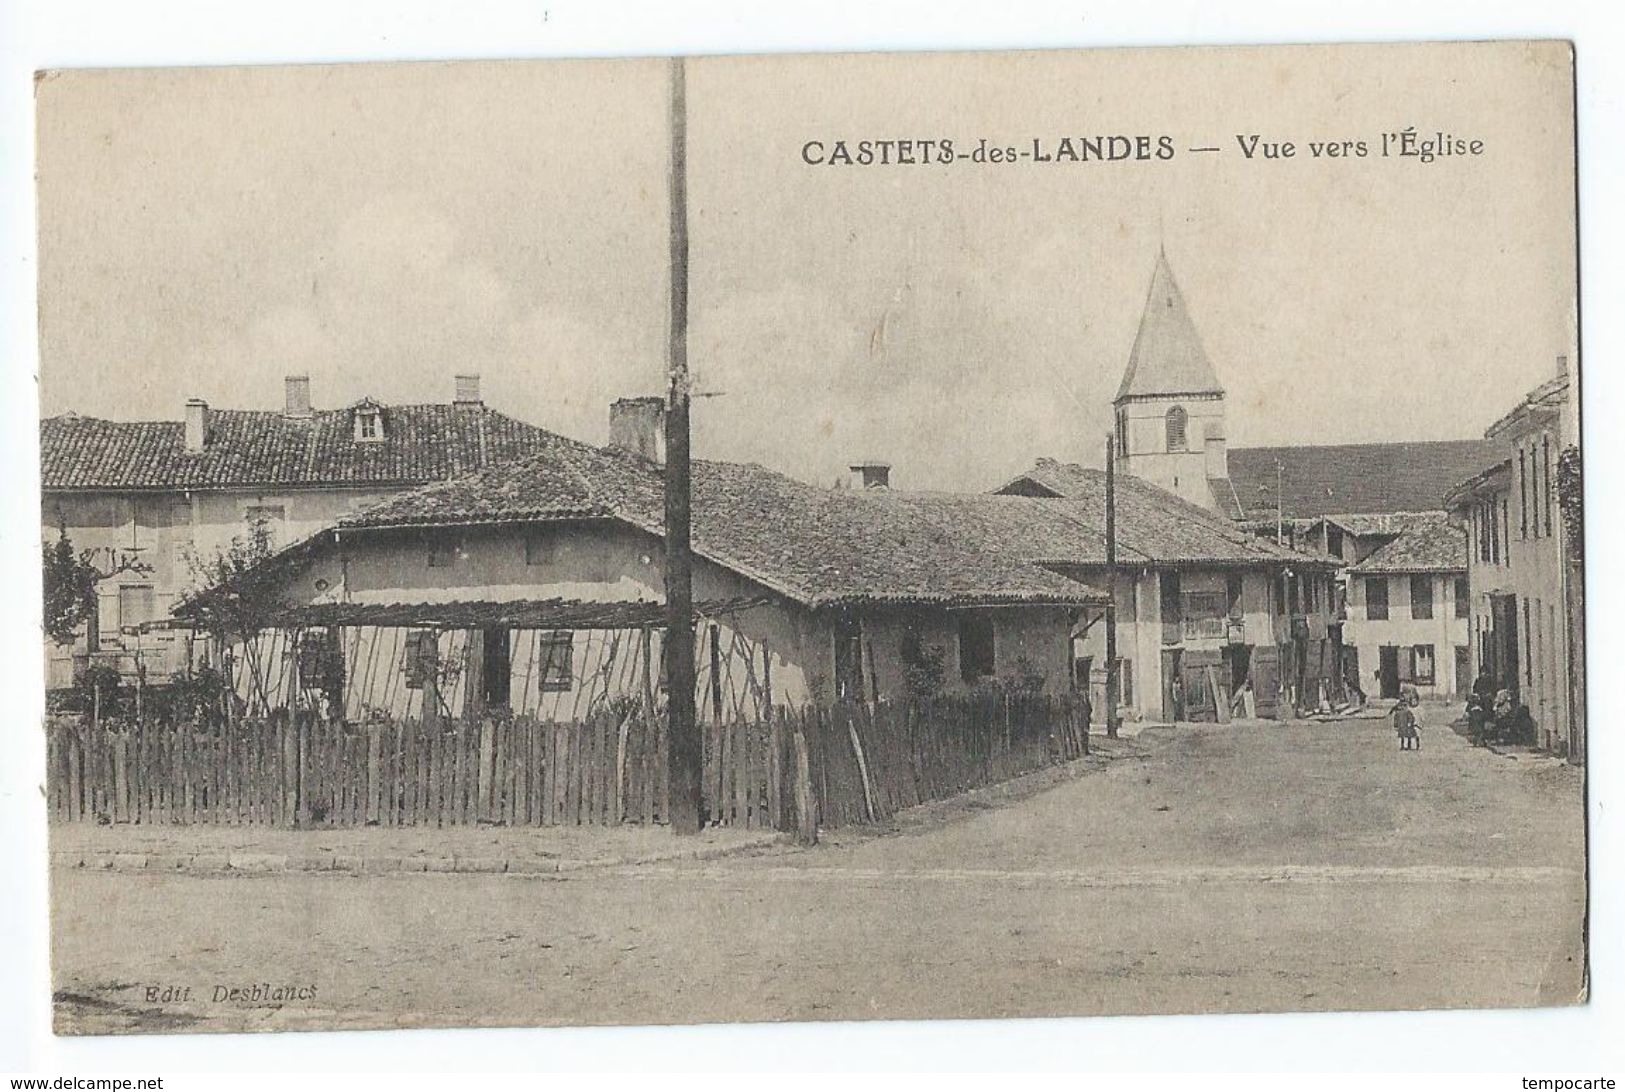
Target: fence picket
x,y
589,758
538,768
572,776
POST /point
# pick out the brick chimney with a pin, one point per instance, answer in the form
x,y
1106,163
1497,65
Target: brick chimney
x,y
197,424
296,396
871,474
467,390
638,426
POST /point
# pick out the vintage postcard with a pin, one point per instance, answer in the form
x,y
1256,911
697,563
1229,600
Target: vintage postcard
x,y
834,537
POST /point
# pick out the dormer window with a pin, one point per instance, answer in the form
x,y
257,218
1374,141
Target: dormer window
x,y
369,424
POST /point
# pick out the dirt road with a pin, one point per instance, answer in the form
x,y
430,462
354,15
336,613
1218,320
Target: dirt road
x,y
1245,868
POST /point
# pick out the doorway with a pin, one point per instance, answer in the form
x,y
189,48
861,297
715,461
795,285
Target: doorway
x,y
1240,659
1504,641
848,659
1081,668
1388,671
1173,688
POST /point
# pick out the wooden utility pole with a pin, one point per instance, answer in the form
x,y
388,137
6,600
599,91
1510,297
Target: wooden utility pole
x,y
1111,587
1278,535
683,758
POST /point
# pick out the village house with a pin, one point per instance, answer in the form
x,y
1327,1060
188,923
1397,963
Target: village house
x,y
152,498
1525,567
1406,616
542,580
1202,606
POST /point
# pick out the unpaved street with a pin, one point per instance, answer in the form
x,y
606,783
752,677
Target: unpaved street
x,y
1240,868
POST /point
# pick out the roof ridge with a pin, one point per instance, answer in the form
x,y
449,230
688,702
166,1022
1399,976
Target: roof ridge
x,y
265,449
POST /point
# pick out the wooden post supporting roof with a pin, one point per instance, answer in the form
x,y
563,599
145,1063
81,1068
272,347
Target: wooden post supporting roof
x,y
682,736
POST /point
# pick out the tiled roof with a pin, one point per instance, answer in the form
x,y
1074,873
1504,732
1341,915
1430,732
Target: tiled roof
x,y
421,443
825,547
559,479
1363,525
829,546
1356,478
821,547
1153,525
1548,395
1431,545
1488,480
1167,357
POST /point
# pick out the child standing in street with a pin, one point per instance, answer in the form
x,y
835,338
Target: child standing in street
x,y
1405,726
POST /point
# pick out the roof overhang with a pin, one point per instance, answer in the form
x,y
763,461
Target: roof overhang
x,y
1489,478
969,601
1212,395
509,614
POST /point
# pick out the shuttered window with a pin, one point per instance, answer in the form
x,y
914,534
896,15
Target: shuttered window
x,y
1546,478
136,604
1176,422
556,653
1421,596
1524,477
421,658
1376,598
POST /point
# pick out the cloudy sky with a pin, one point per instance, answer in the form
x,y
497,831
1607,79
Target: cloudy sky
x,y
206,232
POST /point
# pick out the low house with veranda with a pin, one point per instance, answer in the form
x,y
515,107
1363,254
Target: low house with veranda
x,y
540,582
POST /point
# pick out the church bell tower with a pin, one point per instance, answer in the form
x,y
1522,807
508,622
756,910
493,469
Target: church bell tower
x,y
1170,406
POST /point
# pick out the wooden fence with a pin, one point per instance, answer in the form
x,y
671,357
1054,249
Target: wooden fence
x,y
870,761
864,762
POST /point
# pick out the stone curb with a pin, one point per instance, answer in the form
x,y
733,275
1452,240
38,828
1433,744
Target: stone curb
x,y
351,864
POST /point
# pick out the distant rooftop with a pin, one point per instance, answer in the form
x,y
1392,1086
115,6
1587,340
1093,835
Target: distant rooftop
x,y
1355,479
1430,545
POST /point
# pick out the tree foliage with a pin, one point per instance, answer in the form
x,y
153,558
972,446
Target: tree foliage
x,y
235,597
70,577
1571,497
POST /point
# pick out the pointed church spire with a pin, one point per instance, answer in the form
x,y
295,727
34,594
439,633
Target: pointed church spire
x,y
1168,358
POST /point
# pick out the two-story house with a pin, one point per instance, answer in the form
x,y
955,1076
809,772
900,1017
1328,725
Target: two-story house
x,y
1406,616
169,495
1524,569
